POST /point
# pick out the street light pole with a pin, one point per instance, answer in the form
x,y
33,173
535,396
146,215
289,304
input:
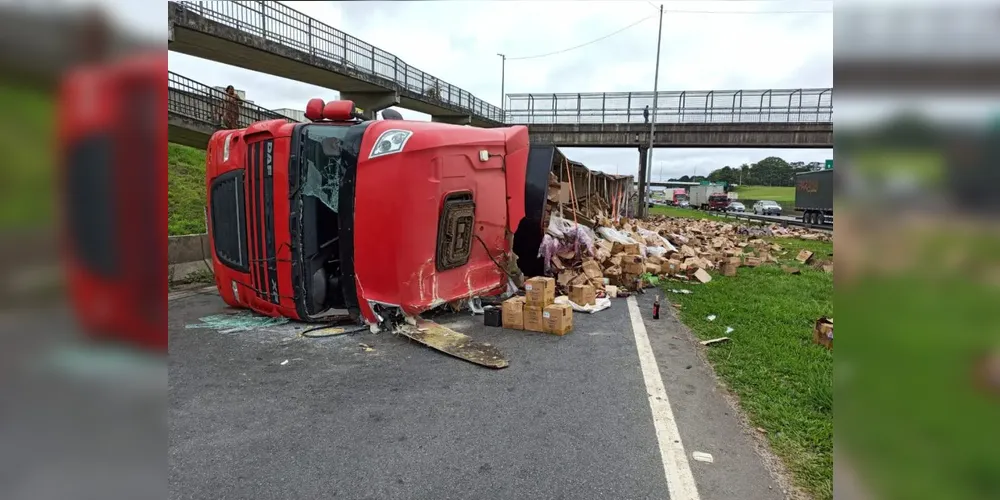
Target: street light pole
x,y
503,98
652,121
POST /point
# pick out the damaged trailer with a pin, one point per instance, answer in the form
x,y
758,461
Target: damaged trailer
x,y
375,220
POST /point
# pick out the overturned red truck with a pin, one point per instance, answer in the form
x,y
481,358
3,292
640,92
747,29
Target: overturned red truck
x,y
372,219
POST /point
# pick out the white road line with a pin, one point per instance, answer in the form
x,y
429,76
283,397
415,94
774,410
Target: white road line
x,y
680,481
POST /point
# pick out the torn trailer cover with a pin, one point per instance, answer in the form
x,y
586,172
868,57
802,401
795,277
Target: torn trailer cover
x,y
343,216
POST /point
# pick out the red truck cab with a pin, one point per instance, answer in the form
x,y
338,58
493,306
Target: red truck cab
x,y
677,196
374,219
112,138
718,202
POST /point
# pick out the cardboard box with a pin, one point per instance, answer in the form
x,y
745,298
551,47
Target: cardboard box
x,y
513,313
540,291
752,261
702,276
592,269
583,295
672,267
558,319
533,319
580,279
729,269
633,264
823,332
626,248
652,268
804,256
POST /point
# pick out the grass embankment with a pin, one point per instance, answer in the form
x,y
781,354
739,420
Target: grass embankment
x,y
27,174
688,213
909,412
185,190
774,193
783,380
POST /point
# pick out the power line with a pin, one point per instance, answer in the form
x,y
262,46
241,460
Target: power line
x,y
689,11
672,11
609,35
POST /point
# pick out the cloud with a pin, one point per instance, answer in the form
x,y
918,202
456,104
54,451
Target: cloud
x,y
458,43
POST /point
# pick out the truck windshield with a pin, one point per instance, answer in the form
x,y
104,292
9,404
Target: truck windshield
x,y
325,162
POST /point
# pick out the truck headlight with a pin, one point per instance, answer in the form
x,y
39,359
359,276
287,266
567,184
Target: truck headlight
x,y
390,142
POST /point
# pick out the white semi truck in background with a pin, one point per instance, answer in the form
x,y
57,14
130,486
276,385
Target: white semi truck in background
x,y
708,197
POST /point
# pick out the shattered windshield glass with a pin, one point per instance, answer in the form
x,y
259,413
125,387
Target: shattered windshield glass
x,y
326,163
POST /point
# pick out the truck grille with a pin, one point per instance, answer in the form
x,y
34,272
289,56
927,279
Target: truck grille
x,y
260,199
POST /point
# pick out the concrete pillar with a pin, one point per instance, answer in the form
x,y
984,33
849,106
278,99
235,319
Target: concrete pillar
x,y
371,102
453,119
643,160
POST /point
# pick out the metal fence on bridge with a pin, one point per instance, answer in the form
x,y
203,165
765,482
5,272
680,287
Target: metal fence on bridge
x,y
198,101
279,23
709,106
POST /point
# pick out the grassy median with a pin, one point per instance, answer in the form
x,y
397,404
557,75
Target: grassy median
x,y
783,380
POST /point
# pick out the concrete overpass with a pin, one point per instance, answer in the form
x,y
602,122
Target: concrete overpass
x,y
685,135
192,108
790,118
272,38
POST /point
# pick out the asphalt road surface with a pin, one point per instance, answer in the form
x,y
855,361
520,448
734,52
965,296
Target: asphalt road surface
x,y
574,417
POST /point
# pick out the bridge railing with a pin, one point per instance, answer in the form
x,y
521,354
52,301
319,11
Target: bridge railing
x,y
282,24
710,106
198,101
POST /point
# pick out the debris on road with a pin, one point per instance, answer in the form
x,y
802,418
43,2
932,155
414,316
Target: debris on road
x,y
366,347
715,341
599,305
804,256
332,331
283,363
450,342
703,457
241,321
823,332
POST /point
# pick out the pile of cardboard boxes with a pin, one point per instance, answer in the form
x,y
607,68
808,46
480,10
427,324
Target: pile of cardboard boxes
x,y
537,311
699,246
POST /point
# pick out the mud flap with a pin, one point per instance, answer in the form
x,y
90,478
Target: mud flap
x,y
456,344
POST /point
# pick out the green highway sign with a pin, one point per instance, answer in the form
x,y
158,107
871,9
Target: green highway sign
x,y
829,164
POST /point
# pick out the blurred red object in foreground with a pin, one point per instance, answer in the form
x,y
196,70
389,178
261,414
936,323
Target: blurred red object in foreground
x,y
112,153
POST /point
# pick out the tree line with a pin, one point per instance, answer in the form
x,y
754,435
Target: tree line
x,y
771,171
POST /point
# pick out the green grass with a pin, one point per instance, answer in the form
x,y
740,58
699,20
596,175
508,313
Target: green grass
x,y
27,174
773,193
927,167
688,213
783,380
908,411
186,190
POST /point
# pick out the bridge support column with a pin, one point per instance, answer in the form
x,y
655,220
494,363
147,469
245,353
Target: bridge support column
x,y
641,210
453,119
372,102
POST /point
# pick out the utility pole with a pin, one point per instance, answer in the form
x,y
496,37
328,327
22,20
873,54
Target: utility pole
x,y
503,98
652,121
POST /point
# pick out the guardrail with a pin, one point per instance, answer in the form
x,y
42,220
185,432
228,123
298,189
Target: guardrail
x,y
783,222
198,101
279,23
709,106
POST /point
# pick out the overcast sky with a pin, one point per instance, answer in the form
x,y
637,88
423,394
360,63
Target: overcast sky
x,y
458,42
